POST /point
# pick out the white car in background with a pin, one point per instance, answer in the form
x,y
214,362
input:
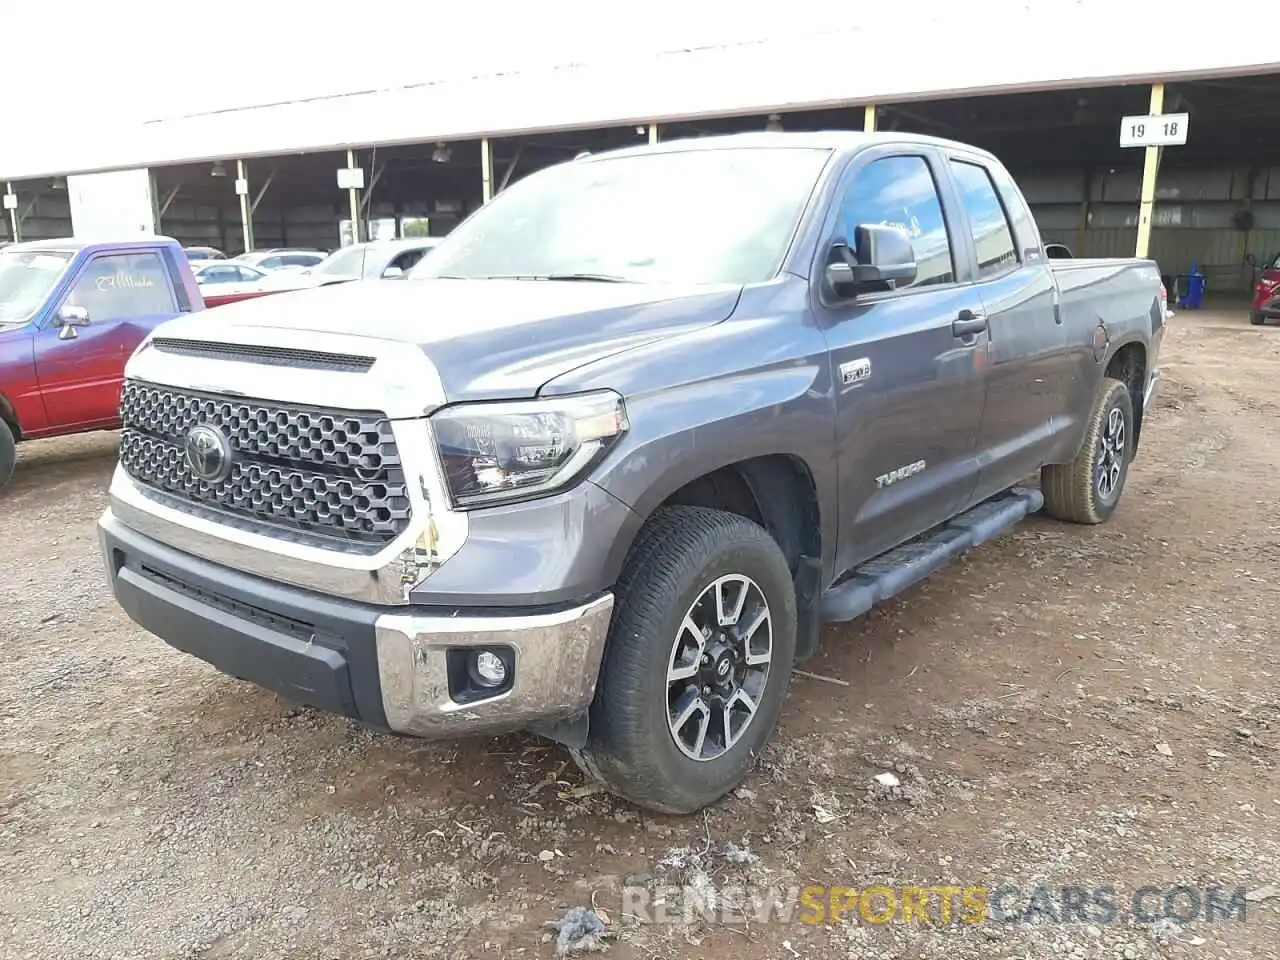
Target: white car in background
x,y
225,281
281,258
373,260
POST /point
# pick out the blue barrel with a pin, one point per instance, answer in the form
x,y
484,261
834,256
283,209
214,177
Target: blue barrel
x,y
1195,289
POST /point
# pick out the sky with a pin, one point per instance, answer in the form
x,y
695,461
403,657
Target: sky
x,y
168,59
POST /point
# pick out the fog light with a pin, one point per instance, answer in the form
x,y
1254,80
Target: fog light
x,y
489,669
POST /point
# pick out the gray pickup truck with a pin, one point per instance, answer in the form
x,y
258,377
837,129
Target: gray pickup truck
x,y
602,466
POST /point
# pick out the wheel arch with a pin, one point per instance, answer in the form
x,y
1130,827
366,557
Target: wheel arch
x,y
780,492
1127,362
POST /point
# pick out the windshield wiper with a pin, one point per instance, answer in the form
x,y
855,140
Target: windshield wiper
x,y
592,277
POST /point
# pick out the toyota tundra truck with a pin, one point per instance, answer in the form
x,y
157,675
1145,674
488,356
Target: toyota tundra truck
x,y
602,466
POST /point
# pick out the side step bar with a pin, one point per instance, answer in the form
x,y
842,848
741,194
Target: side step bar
x,y
891,573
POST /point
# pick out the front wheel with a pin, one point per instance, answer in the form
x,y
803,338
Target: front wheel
x,y
697,663
1256,318
8,454
1087,490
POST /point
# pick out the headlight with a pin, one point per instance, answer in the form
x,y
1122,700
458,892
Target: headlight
x,y
503,452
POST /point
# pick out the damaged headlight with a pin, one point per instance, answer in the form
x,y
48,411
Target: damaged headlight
x,y
508,451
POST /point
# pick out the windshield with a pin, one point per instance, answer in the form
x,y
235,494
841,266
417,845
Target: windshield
x,y
347,262
698,216
26,278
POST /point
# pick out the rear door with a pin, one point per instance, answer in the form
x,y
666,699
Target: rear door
x,y
1027,353
909,380
126,294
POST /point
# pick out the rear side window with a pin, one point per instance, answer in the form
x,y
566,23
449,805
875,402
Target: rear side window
x,y
901,192
992,235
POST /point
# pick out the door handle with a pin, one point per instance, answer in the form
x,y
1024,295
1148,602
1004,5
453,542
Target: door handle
x,y
969,323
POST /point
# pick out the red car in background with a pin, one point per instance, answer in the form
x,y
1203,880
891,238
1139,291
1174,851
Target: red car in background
x,y
1266,294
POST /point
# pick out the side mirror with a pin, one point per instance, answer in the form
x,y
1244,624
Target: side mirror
x,y
391,273
69,318
882,258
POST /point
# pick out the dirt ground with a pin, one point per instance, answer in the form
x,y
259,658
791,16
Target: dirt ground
x,y
1068,706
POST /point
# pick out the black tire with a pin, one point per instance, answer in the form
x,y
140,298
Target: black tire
x,y
1075,491
8,454
1256,318
679,555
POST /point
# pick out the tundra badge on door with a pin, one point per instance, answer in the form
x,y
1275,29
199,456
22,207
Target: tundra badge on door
x,y
900,473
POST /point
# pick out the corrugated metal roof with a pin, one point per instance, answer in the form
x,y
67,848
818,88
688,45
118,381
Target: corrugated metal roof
x,y
1000,46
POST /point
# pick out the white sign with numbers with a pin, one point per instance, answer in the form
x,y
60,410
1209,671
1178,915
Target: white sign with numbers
x,y
1159,130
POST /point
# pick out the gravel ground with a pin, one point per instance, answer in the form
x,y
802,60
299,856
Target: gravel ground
x,y
1065,707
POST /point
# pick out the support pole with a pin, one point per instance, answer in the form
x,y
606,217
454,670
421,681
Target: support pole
x,y
653,133
486,169
246,205
1150,171
15,223
869,118
353,197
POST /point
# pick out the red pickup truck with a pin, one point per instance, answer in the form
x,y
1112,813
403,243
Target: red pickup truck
x,y
71,314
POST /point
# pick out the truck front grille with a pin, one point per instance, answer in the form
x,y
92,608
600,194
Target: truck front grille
x,y
328,476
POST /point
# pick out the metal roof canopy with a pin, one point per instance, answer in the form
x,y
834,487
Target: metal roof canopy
x,y
1042,47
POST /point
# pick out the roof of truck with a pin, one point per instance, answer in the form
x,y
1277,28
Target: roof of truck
x,y
834,140
76,244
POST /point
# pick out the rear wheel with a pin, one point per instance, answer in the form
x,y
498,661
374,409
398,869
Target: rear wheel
x,y
1087,490
8,453
697,664
1256,318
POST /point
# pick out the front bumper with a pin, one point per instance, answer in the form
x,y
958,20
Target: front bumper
x,y
400,668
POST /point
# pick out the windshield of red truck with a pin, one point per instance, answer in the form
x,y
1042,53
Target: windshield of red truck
x,y
26,279
693,216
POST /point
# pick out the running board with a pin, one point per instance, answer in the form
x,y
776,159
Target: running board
x,y
891,573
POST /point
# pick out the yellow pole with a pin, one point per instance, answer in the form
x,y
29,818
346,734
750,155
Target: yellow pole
x,y
869,118
1150,171
653,133
486,168
353,196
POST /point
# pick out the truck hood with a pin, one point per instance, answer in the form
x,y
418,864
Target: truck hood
x,y
486,338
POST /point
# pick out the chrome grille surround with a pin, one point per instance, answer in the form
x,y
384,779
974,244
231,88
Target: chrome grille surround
x,y
312,475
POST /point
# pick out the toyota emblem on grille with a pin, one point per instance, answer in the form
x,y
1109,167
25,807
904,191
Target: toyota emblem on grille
x,y
208,453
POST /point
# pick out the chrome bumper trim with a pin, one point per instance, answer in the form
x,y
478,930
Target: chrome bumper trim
x,y
371,578
557,661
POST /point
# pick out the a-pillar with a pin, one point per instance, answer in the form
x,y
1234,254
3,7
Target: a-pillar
x,y
1150,171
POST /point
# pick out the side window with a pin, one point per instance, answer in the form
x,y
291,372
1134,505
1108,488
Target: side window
x,y
992,237
271,263
301,260
407,259
123,285
901,192
1014,206
220,274
245,275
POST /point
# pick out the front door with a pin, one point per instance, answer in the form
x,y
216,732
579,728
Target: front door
x,y
125,295
909,380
